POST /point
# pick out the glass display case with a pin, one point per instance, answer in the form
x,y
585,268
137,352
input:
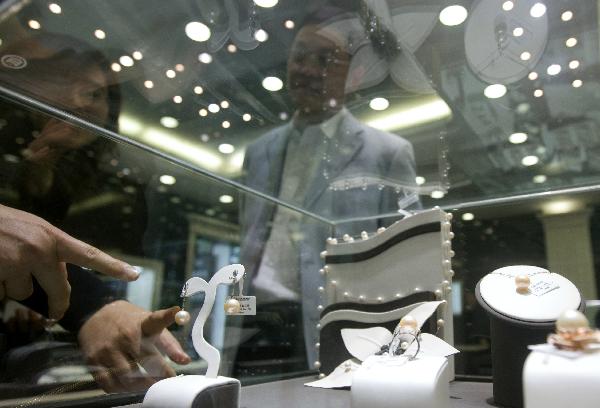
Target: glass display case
x,y
179,137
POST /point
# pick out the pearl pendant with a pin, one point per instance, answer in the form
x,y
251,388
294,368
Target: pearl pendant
x,y
232,306
409,322
182,317
571,320
522,282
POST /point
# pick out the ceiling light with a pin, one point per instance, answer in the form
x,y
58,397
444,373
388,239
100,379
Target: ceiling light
x,y
126,61
99,34
577,83
453,15
523,108
272,83
431,110
231,48
574,64
539,179
197,31
205,58
170,73
246,117
169,122
266,3
495,91
468,217
518,138
129,125
437,194
537,10
566,16
530,160
226,148
177,99
532,75
379,104
204,137
115,67
561,207
283,116
149,84
518,31
553,69
179,68
538,93
224,104
226,199
525,56
226,124
55,8
202,112
508,5
261,35
167,179
571,42
214,108
137,55
198,90
289,24
34,24
420,180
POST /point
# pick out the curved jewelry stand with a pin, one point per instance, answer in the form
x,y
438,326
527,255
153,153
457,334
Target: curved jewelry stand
x,y
210,390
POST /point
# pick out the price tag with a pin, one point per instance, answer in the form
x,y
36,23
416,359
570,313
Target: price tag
x,y
247,305
541,287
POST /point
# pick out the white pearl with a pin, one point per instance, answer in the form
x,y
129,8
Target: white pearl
x,y
451,254
323,254
446,264
321,376
447,244
440,323
346,294
320,307
449,216
409,321
364,235
317,345
182,317
351,239
333,283
439,293
322,271
326,268
361,298
404,345
333,241
379,299
318,326
522,282
398,295
317,364
380,230
346,237
451,235
571,320
321,289
231,306
445,283
450,274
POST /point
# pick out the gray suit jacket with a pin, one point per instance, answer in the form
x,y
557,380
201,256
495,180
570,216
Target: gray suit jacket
x,y
363,151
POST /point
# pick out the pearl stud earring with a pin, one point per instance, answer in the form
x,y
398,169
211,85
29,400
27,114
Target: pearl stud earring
x,y
522,282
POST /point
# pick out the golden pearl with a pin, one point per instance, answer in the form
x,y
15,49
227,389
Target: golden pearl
x,y
571,320
182,317
409,322
522,282
231,306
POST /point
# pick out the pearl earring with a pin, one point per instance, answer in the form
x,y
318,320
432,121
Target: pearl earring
x,y
231,306
183,316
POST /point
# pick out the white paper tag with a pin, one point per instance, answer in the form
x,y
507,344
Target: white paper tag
x,y
247,305
541,287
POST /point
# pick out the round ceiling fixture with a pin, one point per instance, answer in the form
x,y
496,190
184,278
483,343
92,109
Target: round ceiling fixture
x,y
197,31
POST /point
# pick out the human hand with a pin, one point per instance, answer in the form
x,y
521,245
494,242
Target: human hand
x,y
120,336
32,248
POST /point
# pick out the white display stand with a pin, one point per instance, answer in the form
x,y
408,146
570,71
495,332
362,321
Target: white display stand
x,y
554,381
396,382
186,391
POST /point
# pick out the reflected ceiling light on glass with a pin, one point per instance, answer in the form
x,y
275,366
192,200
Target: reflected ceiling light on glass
x,y
379,104
437,194
203,112
129,125
205,58
508,5
34,24
226,148
169,122
170,73
530,160
518,31
261,35
525,56
537,10
198,90
226,124
167,179
126,61
204,137
231,48
99,34
266,3
197,31
137,55
523,108
495,91
539,179
574,64
532,75
214,108
571,42
272,83
115,67
246,117
420,180
553,69
538,93
566,16
177,99
289,24
283,116
468,217
55,8
577,83
226,199
224,104
179,68
453,15
518,138
149,84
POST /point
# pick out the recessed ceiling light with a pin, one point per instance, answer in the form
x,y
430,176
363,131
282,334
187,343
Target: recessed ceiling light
x,y
149,84
137,55
226,124
571,42
525,55
55,8
177,99
420,180
283,116
540,178
508,5
532,75
169,122
495,91
437,194
99,34
266,3
574,64
203,112
553,69
205,58
566,16
115,67
246,117
126,61
198,90
167,179
261,35
289,24
518,138
538,93
226,148
231,48
379,104
179,68
518,31
537,10
453,15
577,83
204,137
214,108
226,199
468,217
34,24
530,160
272,83
224,104
197,31
170,73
